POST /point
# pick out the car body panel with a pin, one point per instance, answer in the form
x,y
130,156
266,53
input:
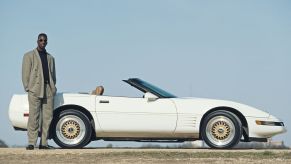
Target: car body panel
x,y
136,116
158,114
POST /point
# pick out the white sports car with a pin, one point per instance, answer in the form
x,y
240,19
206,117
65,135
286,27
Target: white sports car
x,y
158,116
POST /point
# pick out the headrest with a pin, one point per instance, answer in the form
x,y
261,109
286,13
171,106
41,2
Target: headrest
x,y
98,91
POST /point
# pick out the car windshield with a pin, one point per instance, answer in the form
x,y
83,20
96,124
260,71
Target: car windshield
x,y
154,89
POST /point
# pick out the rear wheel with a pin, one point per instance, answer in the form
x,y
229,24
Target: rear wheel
x,y
72,129
221,129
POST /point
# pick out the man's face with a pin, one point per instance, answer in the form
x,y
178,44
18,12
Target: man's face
x,y
42,42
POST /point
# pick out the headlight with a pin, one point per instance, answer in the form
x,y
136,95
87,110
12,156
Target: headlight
x,y
269,123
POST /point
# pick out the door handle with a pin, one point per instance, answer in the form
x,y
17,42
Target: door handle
x,y
103,101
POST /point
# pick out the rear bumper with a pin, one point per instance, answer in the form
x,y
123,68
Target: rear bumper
x,y
18,108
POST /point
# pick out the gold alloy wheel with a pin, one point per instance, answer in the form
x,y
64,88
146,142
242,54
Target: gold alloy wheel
x,y
220,130
70,129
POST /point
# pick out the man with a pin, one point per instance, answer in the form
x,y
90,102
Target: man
x,y
39,80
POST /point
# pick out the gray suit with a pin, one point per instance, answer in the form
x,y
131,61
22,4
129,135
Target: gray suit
x,y
40,95
32,74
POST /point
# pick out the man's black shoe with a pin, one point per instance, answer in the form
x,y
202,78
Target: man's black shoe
x,y
45,147
29,147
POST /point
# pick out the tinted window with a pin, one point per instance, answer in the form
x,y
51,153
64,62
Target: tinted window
x,y
155,89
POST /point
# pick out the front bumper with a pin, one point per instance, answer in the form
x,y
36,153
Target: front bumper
x,y
260,127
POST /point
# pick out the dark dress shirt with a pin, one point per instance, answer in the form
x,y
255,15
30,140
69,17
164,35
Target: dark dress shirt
x,y
43,57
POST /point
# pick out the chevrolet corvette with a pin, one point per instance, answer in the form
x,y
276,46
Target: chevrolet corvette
x,y
157,116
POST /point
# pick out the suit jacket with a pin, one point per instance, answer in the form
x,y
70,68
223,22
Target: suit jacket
x,y
32,74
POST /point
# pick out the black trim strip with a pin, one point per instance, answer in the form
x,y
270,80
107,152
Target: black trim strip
x,y
21,129
258,139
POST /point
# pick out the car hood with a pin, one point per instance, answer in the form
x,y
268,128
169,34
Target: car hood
x,y
202,105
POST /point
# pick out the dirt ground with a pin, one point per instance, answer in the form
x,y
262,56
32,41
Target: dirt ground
x,y
136,156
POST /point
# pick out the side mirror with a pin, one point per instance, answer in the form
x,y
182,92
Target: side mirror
x,y
150,97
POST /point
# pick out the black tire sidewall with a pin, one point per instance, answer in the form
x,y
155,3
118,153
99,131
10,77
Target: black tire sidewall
x,y
237,124
86,139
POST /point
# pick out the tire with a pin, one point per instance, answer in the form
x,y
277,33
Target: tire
x,y
71,129
221,129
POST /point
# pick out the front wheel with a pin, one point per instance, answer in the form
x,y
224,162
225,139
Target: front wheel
x,y
71,129
221,129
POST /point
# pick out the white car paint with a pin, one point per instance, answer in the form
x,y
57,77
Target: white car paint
x,y
135,117
158,115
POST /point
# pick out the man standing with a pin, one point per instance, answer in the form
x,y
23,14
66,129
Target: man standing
x,y
39,80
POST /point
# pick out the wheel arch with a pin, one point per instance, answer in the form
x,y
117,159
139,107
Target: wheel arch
x,y
234,111
83,110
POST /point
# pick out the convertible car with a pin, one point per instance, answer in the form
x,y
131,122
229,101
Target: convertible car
x,y
157,116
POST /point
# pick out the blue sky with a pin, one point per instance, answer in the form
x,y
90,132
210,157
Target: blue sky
x,y
233,50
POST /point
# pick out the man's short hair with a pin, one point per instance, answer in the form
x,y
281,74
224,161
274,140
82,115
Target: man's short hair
x,y
42,34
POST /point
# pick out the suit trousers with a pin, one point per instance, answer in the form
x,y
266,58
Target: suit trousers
x,y
40,117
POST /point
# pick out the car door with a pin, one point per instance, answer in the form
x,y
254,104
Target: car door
x,y
136,117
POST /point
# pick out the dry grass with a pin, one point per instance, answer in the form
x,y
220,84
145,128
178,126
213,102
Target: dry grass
x,y
20,155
